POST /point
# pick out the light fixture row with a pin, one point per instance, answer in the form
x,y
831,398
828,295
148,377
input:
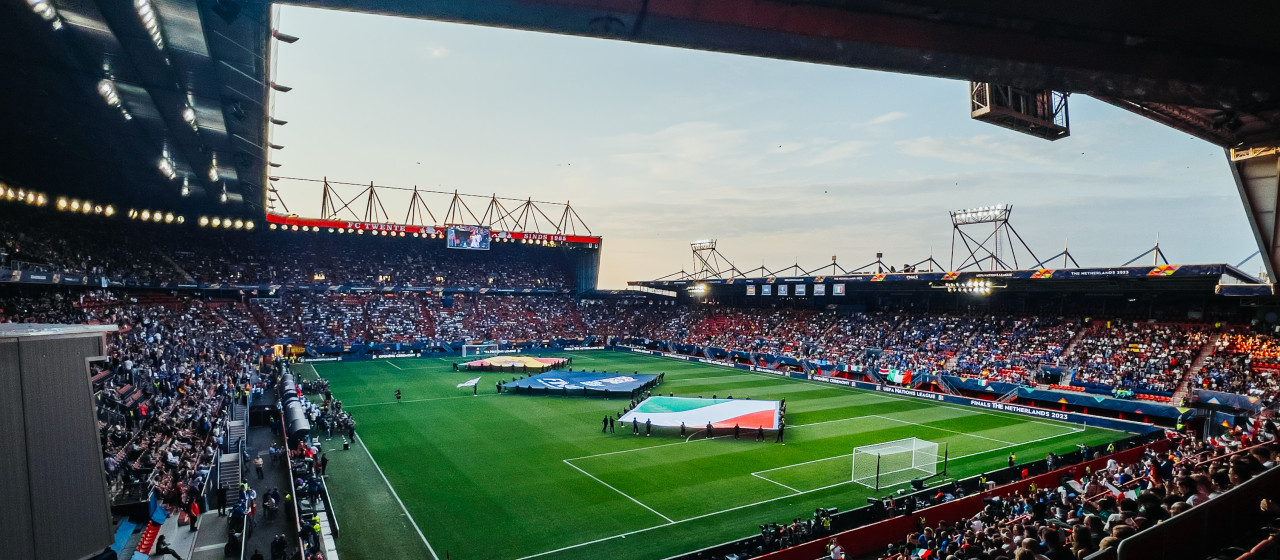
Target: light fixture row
x,y
226,223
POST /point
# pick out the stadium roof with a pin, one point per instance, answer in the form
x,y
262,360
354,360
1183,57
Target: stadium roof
x,y
1199,278
95,98
75,69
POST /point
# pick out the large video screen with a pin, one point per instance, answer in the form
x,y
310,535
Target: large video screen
x,y
468,237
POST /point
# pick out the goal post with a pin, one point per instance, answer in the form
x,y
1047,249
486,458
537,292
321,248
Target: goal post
x,y
477,349
894,462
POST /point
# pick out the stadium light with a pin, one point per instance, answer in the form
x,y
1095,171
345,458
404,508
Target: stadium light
x,y
215,222
181,219
150,21
62,203
204,221
168,217
97,209
75,205
146,215
166,167
186,186
107,89
239,224
273,226
46,11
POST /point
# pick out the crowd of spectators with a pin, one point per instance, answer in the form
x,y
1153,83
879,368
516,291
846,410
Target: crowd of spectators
x,y
1097,511
1142,356
123,250
171,368
1243,363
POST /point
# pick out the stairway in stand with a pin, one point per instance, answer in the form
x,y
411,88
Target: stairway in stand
x,y
1071,346
1207,350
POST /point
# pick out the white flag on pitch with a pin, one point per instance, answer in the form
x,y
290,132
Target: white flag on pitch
x,y
469,383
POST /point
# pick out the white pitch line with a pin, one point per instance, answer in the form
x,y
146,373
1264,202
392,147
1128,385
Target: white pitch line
x,y
624,494
418,400
397,497
943,429
735,508
775,482
392,364
675,379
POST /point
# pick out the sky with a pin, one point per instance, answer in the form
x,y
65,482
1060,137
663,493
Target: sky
x,y
781,162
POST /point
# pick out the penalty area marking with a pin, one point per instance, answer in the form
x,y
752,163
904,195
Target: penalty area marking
x,y
624,494
735,508
397,497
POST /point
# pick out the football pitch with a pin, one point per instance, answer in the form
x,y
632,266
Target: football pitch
x,y
521,476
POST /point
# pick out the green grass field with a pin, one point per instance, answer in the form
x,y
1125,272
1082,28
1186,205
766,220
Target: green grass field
x,y
521,476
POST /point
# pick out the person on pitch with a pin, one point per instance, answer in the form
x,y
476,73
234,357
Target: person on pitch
x,y
648,427
682,429
710,431
736,431
782,427
610,419
635,426
397,395
760,432
605,426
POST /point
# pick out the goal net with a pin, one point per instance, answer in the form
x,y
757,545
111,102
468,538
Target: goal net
x,y
477,349
894,462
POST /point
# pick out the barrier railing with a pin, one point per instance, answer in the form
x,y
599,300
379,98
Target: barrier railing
x,y
876,536
1202,530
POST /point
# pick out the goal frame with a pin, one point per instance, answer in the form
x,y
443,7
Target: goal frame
x,y
910,445
480,349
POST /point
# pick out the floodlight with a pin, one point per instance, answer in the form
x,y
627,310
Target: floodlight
x,y
97,209
168,217
107,89
239,224
295,228
204,221
147,13
40,200
166,168
189,115
156,217
146,215
181,219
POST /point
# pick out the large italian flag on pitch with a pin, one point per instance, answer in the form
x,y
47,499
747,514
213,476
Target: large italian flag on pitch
x,y
696,413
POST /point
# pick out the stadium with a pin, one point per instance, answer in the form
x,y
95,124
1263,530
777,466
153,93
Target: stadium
x,y
190,369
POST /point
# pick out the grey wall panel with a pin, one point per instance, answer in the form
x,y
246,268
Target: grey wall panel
x,y
15,530
68,488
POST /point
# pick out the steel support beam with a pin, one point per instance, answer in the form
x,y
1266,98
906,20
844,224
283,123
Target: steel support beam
x,y
1257,176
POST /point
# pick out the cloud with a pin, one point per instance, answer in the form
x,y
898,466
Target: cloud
x,y
435,52
882,119
974,149
838,152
